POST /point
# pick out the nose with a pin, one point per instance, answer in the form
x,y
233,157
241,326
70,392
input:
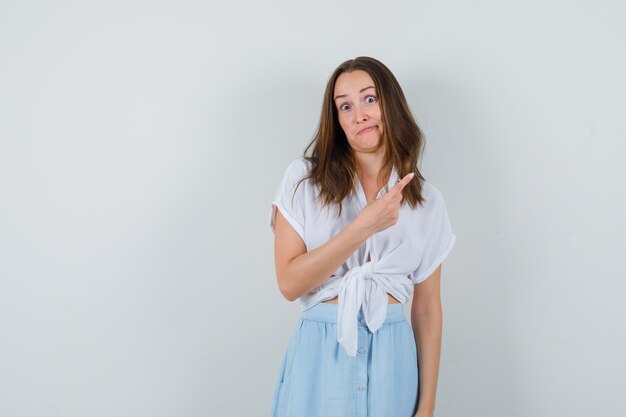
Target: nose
x,y
360,114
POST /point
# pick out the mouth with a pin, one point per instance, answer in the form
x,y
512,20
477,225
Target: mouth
x,y
367,129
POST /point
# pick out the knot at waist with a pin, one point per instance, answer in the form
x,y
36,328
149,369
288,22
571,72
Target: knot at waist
x,y
362,288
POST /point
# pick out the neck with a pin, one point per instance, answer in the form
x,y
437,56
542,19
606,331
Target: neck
x,y
368,167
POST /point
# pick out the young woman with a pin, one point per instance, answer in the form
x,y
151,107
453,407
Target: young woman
x,y
358,232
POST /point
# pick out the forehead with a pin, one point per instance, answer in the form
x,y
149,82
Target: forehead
x,y
351,83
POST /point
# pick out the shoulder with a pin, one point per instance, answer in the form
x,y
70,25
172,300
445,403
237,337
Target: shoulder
x,y
431,193
434,201
298,169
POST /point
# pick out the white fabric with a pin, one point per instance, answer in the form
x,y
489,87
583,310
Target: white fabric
x,y
402,255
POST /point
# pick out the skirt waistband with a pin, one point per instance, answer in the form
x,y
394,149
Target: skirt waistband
x,y
327,312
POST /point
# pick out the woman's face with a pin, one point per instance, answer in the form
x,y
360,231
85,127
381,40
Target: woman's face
x,y
356,100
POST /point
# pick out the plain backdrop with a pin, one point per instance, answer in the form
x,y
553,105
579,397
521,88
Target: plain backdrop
x,y
141,144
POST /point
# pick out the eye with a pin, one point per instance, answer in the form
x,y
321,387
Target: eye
x,y
372,97
342,107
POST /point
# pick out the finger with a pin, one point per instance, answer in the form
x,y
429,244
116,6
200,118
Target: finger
x,y
402,183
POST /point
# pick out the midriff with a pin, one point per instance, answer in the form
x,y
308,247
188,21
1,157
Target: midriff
x,y
391,299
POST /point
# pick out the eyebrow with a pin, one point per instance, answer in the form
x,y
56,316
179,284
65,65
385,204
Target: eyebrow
x,y
344,95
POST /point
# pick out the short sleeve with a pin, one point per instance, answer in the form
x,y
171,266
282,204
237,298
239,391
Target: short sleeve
x,y
439,240
289,200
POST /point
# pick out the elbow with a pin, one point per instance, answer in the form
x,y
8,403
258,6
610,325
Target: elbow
x,y
430,313
286,290
289,296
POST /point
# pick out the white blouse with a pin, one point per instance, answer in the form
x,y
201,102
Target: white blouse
x,y
402,255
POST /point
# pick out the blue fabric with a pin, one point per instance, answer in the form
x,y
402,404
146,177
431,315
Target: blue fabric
x,y
317,378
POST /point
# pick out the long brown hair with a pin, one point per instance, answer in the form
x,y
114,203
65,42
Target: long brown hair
x,y
333,166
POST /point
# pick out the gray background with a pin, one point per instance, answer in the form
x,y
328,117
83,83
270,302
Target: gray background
x,y
141,144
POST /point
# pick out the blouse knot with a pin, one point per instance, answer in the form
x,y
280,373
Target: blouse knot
x,y
360,289
366,270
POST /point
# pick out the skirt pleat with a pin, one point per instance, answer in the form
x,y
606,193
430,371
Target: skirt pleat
x,y
317,378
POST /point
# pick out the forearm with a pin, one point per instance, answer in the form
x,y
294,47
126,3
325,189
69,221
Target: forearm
x,y
311,269
427,326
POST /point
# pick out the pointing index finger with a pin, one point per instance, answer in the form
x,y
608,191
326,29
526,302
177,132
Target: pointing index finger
x,y
402,183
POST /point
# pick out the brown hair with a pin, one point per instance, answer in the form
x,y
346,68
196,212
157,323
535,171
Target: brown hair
x,y
333,167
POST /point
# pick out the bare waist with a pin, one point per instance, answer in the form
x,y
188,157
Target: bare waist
x,y
391,300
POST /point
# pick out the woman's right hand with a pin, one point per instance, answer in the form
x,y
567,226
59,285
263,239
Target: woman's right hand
x,y
383,212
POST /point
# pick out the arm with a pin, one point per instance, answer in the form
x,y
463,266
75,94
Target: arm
x,y
426,321
299,271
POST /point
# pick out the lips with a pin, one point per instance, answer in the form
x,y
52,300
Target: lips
x,y
367,129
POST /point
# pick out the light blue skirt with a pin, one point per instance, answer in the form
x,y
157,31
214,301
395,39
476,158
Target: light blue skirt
x,y
317,378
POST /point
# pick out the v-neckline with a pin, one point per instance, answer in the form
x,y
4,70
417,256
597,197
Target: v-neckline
x,y
393,178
